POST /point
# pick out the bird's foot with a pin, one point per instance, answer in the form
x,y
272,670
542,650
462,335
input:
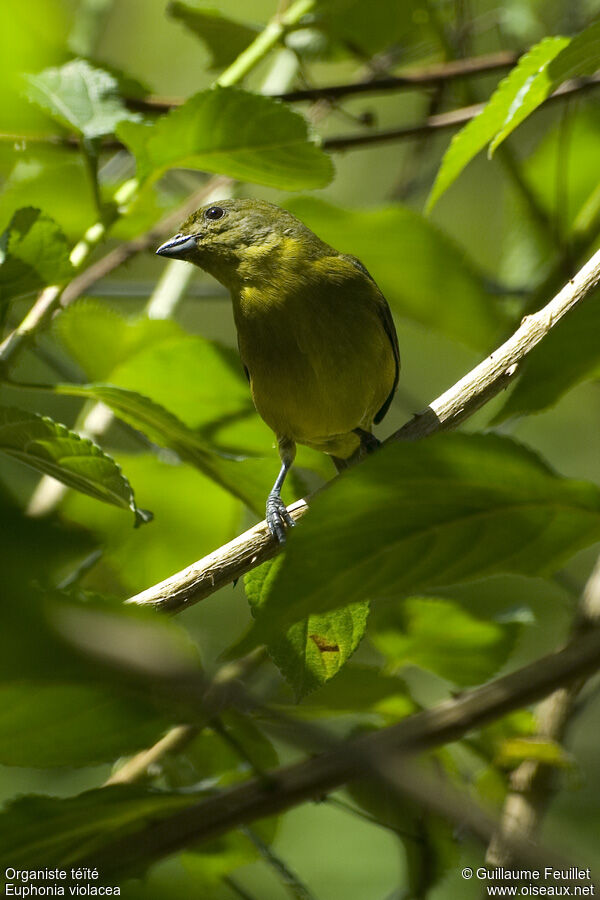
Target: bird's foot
x,y
278,517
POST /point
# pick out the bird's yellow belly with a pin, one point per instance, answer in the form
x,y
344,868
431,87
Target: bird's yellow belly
x,y
315,387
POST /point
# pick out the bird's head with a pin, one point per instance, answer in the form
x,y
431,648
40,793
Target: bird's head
x,y
232,237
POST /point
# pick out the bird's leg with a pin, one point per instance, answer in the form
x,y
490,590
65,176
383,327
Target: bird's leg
x,y
368,441
277,515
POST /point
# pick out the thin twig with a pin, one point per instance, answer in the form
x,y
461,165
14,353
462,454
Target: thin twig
x,y
484,382
287,876
428,76
443,121
139,766
237,888
215,694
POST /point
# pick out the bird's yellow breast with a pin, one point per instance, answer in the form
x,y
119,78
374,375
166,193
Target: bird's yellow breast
x,y
313,340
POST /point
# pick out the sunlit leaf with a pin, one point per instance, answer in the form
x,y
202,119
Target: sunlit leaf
x,y
52,449
537,74
80,97
225,38
580,56
33,253
513,751
527,83
418,516
232,132
312,651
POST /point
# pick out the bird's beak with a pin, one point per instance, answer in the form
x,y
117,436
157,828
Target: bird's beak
x,y
178,246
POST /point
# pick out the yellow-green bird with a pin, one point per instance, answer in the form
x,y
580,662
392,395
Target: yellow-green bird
x,y
315,333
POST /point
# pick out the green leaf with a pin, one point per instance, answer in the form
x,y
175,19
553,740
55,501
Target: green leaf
x,y
47,725
579,57
99,338
537,74
192,516
50,831
224,38
422,272
525,87
176,370
359,688
312,651
80,97
515,750
33,253
568,355
418,516
51,448
443,638
248,480
232,132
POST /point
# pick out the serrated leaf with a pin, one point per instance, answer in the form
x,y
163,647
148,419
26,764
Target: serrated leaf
x,y
439,288
579,57
52,449
537,74
524,84
33,253
418,516
248,480
568,355
225,38
231,132
47,725
312,651
80,97
440,636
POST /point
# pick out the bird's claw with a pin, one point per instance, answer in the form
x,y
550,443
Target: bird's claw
x,y
278,517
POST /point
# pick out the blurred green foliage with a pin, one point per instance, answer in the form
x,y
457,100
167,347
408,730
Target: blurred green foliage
x,y
425,571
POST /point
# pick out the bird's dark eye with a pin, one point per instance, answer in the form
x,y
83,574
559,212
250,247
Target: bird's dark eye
x,y
214,212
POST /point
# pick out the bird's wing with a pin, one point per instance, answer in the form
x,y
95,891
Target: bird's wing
x,y
387,321
390,329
